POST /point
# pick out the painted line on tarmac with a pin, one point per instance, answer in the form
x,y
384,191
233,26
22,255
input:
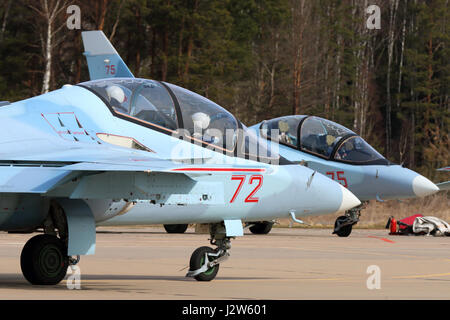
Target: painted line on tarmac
x,y
221,280
383,239
423,276
279,280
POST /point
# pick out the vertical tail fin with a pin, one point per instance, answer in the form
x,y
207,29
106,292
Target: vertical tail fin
x,y
103,60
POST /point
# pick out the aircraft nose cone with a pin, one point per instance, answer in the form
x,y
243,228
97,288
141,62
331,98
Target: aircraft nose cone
x,y
423,187
349,200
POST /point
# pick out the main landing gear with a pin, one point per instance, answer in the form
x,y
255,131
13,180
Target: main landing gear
x,y
344,224
261,227
205,261
175,228
44,259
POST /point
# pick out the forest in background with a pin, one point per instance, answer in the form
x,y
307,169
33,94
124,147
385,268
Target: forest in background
x,y
260,60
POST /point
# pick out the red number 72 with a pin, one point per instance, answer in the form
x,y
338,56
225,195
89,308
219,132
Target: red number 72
x,y
241,179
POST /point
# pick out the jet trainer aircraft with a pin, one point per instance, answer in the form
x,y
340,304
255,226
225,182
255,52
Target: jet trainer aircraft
x,y
325,146
345,157
84,153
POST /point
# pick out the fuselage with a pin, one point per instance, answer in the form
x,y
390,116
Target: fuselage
x,y
344,157
73,124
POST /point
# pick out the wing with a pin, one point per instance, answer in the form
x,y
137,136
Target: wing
x,y
444,185
103,60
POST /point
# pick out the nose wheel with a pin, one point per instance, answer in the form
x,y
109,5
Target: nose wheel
x,y
205,261
344,224
203,264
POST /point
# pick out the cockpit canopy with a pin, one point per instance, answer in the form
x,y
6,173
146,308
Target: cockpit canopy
x,y
166,107
321,137
176,111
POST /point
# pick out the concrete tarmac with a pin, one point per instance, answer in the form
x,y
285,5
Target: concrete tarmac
x,y
297,263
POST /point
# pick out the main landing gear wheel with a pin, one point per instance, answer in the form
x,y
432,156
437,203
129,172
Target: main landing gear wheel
x,y
263,227
197,261
175,228
44,260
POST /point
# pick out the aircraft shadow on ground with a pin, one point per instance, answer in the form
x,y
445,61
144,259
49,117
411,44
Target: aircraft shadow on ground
x,y
16,281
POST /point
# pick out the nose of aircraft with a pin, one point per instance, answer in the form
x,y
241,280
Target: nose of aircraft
x,y
349,200
423,187
396,182
312,193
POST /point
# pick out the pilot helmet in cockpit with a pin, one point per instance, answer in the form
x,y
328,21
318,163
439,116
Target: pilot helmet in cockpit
x,y
116,97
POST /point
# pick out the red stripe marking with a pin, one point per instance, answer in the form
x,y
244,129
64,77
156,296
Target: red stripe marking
x,y
220,169
384,239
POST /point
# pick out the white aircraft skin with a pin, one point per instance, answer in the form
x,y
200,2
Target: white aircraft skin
x,y
62,172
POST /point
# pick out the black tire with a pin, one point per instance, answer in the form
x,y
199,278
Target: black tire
x,y
198,259
343,231
175,228
44,260
261,227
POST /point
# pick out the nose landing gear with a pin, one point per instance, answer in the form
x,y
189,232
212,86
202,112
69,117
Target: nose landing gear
x,y
205,261
344,224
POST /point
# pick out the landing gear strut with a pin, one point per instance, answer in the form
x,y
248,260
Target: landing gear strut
x,y
344,224
205,261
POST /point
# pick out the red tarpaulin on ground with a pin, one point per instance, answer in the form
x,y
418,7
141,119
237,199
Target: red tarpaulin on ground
x,y
408,221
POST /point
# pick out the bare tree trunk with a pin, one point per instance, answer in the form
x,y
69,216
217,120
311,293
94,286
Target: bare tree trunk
x,y
78,62
190,43
137,15
298,28
402,50
165,57
102,6
119,11
49,14
272,75
48,57
338,76
5,19
392,14
180,49
153,54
